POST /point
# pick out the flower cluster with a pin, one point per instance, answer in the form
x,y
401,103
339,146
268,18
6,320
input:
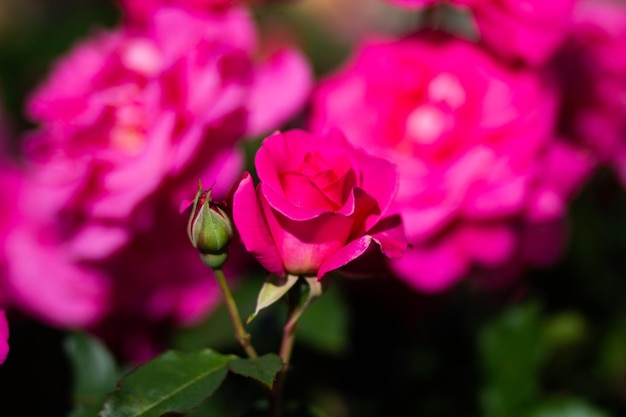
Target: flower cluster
x,y
470,149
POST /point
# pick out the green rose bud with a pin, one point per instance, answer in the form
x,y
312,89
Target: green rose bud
x,y
209,229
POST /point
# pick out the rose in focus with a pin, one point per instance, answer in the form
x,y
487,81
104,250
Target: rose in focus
x,y
319,204
475,147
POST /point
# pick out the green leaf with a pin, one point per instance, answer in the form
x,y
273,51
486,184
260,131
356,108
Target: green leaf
x,y
325,324
512,353
94,373
262,369
273,289
173,382
567,408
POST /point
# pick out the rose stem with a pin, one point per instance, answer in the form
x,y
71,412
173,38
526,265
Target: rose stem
x,y
286,347
241,335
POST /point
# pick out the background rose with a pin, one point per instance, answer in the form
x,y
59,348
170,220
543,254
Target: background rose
x,y
530,31
319,204
592,67
141,10
474,144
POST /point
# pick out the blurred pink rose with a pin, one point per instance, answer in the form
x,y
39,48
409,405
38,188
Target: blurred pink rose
x,y
319,205
527,30
592,67
134,109
474,145
140,10
129,121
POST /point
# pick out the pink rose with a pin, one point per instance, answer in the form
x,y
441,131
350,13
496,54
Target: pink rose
x,y
474,145
526,30
320,203
131,110
530,31
47,273
592,67
140,10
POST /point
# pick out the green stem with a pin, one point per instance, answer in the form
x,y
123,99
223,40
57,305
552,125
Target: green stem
x,y
241,335
286,347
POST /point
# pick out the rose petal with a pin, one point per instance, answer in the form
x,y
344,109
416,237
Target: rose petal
x,y
432,269
54,289
389,234
345,255
281,86
252,227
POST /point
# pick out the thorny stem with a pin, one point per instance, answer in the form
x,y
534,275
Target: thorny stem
x,y
242,336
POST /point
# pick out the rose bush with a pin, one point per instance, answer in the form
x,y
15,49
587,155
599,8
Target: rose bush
x,y
319,204
475,147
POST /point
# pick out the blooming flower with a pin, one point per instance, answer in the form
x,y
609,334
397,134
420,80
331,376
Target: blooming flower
x,y
592,67
319,204
474,145
526,30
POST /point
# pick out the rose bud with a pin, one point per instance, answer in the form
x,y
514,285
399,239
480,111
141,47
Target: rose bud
x,y
209,229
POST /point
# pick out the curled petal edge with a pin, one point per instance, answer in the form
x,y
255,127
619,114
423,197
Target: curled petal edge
x,y
252,228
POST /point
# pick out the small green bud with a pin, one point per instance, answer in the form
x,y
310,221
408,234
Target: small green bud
x,y
209,229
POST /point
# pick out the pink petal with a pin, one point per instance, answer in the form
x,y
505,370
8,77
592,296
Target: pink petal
x,y
389,234
345,255
379,178
281,87
275,155
488,245
252,227
44,282
432,269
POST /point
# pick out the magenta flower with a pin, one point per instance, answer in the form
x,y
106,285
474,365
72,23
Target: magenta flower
x,y
527,30
319,205
530,31
593,69
134,108
474,145
140,10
